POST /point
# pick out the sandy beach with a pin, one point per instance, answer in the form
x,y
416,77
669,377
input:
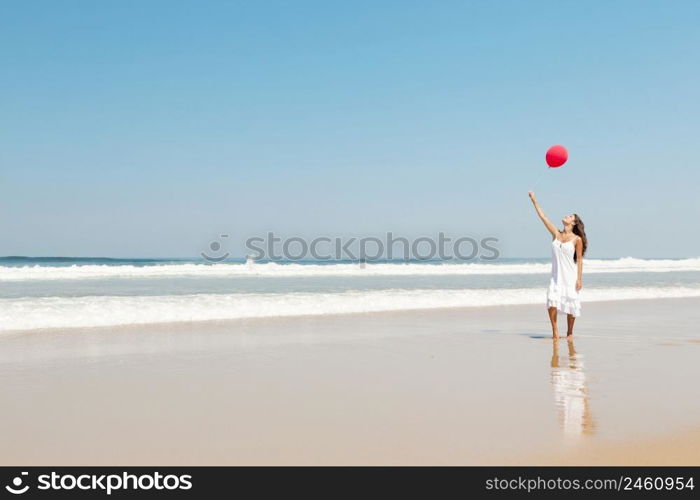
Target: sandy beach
x,y
451,386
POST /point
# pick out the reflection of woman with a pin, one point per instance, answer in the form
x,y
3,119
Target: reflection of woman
x,y
568,249
570,392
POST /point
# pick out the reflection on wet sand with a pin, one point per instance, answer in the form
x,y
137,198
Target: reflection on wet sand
x,y
570,391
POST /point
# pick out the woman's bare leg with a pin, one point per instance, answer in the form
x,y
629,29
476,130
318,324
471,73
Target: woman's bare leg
x,y
570,325
553,319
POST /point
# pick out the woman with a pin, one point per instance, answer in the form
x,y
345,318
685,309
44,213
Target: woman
x,y
568,248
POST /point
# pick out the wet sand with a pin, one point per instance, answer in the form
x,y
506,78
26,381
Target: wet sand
x,y
451,386
670,448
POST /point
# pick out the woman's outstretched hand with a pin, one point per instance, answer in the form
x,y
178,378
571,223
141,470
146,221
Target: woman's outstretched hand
x,y
531,194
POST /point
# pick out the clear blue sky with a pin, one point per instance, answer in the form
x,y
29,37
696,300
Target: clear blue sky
x,y
132,128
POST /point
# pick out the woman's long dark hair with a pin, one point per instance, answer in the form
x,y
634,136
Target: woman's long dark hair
x,y
580,230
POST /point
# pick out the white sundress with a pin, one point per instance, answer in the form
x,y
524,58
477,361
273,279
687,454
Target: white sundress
x,y
562,292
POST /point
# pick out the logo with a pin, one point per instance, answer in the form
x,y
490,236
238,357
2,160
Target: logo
x,y
355,249
16,488
108,483
215,246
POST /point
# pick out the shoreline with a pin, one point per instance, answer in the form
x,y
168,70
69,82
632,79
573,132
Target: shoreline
x,y
232,322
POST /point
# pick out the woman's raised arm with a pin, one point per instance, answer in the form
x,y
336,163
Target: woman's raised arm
x,y
550,227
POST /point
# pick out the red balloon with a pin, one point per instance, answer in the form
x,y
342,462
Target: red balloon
x,y
556,156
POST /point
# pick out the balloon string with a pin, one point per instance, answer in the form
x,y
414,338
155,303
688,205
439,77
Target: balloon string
x,y
539,177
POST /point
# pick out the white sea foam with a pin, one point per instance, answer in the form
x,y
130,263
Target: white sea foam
x,y
272,269
96,311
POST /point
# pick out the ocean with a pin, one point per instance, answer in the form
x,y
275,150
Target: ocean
x,y
67,292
